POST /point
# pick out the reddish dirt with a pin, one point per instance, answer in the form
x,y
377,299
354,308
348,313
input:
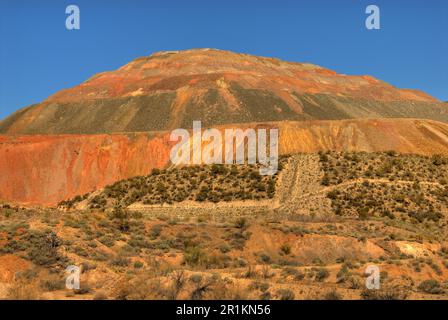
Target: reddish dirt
x,y
47,169
191,68
44,170
9,265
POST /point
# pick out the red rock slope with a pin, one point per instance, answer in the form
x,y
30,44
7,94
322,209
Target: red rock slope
x,y
47,169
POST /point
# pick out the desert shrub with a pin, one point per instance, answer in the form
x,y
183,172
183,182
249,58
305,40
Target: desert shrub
x,y
240,262
265,296
202,285
139,288
289,271
333,194
224,248
21,290
87,266
384,294
178,282
431,286
264,257
100,256
27,274
325,180
97,202
299,276
343,274
354,282
138,241
8,212
44,248
439,160
332,295
266,272
107,240
217,169
155,231
121,218
85,288
285,294
435,267
249,272
323,157
285,249
261,286
72,223
321,274
120,261
363,213
241,223
12,246
52,284
195,256
80,251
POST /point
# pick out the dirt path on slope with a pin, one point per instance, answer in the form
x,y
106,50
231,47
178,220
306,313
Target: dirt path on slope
x,y
300,187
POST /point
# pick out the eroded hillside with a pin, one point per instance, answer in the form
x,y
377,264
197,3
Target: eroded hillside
x,y
47,169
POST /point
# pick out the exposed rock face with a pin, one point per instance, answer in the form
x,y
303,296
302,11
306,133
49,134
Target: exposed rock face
x,y
169,90
47,169
402,135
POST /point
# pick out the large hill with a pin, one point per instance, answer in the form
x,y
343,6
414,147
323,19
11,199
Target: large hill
x,y
171,89
362,181
116,125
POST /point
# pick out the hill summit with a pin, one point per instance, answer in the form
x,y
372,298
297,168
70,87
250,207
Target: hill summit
x,y
170,89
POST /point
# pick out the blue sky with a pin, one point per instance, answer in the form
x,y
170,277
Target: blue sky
x,y
39,56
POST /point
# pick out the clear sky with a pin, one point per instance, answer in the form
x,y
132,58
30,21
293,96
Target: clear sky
x,y
39,56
